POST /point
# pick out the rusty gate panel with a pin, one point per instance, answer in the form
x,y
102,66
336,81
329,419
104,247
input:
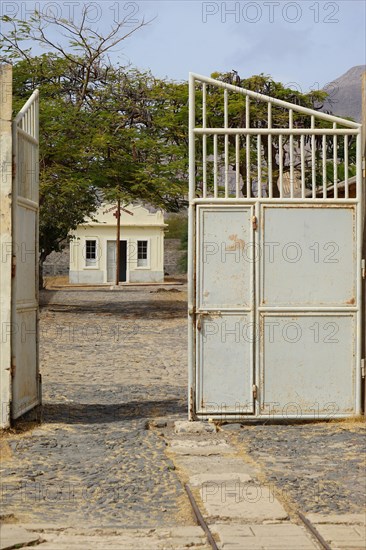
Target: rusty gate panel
x,y
225,359
308,255
224,312
307,287
307,366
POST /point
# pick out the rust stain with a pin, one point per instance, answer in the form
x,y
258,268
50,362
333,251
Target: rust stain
x,y
237,244
351,301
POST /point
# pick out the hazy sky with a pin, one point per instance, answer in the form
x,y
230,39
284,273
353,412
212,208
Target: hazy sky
x,y
305,42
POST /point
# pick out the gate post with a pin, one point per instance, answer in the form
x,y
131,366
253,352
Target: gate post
x,y
363,282
5,240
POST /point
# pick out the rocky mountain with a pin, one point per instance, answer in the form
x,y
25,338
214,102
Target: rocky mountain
x,y
345,94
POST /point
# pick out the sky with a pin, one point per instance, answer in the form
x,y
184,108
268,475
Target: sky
x,y
304,44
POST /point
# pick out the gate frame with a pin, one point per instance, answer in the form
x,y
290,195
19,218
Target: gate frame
x,y
10,130
352,128
27,116
5,238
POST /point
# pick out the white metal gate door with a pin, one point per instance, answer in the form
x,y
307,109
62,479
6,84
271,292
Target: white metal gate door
x,y
224,310
26,392
275,238
307,312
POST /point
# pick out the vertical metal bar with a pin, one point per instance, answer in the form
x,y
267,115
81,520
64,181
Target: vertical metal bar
x,y
259,166
226,146
36,135
270,179
302,162
247,112
359,241
34,120
280,152
215,165
204,142
335,161
257,237
237,165
31,119
346,186
36,199
313,160
192,122
247,151
247,144
191,242
324,147
291,115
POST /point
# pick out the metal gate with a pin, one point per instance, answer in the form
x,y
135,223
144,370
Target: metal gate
x,y
20,361
275,239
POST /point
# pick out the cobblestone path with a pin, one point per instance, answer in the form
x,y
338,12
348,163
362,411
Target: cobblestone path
x,y
112,361
107,369
318,467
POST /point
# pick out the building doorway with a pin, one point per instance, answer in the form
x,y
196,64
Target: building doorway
x,y
111,261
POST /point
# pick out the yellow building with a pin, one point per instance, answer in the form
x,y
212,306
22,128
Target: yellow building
x,y
93,247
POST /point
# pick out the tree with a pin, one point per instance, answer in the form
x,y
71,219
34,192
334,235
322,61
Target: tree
x,y
101,127
67,77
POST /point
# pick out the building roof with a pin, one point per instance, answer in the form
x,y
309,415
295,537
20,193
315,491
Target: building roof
x,y
131,215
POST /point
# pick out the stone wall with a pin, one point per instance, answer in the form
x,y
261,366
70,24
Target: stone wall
x,y
57,263
172,255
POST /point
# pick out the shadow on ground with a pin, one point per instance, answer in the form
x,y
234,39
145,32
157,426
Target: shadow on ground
x,y
159,309
92,413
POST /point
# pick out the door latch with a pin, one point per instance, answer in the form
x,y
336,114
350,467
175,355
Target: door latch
x,y
254,222
13,266
255,391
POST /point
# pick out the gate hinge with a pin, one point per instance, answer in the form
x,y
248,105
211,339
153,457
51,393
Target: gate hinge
x,y
13,266
363,368
363,268
199,323
255,391
254,222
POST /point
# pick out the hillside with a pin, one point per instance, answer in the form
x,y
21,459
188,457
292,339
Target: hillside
x,y
345,94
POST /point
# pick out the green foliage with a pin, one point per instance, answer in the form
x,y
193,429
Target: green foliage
x,y
177,225
104,130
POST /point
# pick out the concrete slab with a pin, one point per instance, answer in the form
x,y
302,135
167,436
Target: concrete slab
x,y
268,537
199,479
218,464
338,533
347,519
246,501
14,536
280,543
177,538
186,427
202,448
